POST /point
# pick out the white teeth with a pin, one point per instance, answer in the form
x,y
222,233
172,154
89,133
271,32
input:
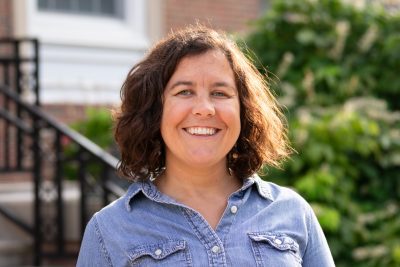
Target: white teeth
x,y
201,130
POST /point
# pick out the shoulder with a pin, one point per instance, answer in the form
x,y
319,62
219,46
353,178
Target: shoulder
x,y
277,192
283,196
285,193
113,222
119,209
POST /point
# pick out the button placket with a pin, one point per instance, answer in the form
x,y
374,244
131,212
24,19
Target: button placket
x,y
208,237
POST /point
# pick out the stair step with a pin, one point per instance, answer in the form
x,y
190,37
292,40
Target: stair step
x,y
15,253
11,246
15,176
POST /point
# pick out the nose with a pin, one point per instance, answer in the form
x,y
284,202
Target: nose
x,y
203,107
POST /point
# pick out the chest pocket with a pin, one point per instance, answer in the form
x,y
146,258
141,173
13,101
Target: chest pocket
x,y
275,249
169,253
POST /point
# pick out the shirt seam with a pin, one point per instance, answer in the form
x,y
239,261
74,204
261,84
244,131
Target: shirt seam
x,y
103,251
308,222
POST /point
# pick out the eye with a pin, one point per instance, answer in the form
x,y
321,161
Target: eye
x,y
184,92
219,94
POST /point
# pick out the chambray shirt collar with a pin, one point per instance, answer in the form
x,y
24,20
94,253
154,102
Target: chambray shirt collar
x,y
263,188
151,192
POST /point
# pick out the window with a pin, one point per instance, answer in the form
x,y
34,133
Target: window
x,y
87,46
89,23
108,8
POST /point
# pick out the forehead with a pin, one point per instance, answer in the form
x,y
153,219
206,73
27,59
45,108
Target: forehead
x,y
207,62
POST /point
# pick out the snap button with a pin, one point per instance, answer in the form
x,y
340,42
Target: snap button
x,y
278,241
234,209
158,252
215,249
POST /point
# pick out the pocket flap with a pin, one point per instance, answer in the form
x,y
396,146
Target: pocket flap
x,y
277,240
159,250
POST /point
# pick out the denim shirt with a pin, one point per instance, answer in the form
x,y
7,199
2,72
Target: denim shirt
x,y
263,225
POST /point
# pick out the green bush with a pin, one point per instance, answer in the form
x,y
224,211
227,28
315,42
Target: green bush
x,y
335,69
325,52
347,167
97,127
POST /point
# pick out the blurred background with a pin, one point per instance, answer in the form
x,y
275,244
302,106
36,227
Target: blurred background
x,y
334,66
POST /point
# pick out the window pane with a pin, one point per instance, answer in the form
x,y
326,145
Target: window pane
x,y
107,7
63,5
86,6
43,4
112,8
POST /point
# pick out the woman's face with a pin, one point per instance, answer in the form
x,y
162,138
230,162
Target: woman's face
x,y
201,114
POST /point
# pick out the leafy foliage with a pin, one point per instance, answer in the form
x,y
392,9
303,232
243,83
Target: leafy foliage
x,y
325,52
96,126
335,68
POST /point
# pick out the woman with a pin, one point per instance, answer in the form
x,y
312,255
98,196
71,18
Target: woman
x,y
195,125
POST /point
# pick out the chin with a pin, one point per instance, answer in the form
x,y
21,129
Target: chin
x,y
205,162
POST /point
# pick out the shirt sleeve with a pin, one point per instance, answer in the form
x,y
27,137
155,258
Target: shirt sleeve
x,y
93,251
317,253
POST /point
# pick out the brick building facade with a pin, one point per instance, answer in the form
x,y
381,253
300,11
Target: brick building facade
x,y
159,18
6,28
228,15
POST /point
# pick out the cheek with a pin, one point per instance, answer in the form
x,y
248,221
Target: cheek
x,y
231,115
172,115
170,112
164,120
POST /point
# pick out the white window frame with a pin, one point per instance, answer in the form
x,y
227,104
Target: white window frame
x,y
128,32
84,58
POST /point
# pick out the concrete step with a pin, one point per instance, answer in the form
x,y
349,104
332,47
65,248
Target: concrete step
x,y
15,253
15,244
19,198
15,176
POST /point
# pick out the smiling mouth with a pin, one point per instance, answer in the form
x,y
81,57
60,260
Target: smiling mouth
x,y
201,131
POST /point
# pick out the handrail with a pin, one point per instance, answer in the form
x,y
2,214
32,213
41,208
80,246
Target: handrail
x,y
33,142
17,122
22,225
88,152
81,140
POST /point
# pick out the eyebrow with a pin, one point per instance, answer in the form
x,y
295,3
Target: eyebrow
x,y
188,83
223,84
178,83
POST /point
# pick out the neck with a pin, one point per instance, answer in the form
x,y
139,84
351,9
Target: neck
x,y
180,181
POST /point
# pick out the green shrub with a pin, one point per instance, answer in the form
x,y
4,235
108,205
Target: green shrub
x,y
336,72
348,167
97,127
325,52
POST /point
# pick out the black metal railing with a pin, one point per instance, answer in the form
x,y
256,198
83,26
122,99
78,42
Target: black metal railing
x,y
35,143
19,60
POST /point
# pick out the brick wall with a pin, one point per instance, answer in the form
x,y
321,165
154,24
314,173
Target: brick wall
x,y
71,113
228,15
5,18
5,31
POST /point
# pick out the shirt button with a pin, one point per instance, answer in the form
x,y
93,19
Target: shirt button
x,y
215,249
234,209
278,241
158,252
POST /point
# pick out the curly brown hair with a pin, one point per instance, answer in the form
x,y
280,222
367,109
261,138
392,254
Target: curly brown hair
x,y
137,123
